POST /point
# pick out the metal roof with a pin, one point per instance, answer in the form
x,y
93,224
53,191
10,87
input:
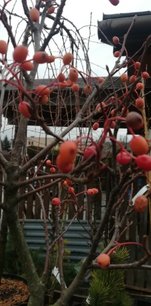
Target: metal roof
x,y
118,25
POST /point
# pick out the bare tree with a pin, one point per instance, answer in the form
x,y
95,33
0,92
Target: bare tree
x,y
86,101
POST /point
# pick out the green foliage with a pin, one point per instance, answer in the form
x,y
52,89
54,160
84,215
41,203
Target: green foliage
x,y
107,286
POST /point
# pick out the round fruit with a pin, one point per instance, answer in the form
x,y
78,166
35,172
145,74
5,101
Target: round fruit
x,y
51,10
117,54
140,203
34,14
114,2
56,202
73,75
40,57
42,90
75,87
143,162
52,169
48,162
67,58
50,59
68,150
137,65
87,89
124,77
24,109
61,77
44,100
139,145
145,75
95,126
123,157
20,53
3,47
103,260
139,102
115,40
134,120
28,66
132,78
89,152
139,86
63,165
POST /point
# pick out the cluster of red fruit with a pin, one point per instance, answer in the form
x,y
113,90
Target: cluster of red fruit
x,y
51,167
138,145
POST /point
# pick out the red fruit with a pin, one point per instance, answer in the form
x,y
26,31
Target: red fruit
x,y
140,203
114,2
52,169
3,47
139,145
89,152
25,109
44,100
20,53
95,126
61,77
41,57
73,75
123,157
51,9
71,190
115,40
56,202
48,162
63,165
68,150
92,191
134,120
50,58
137,65
67,154
87,89
117,54
143,162
139,102
139,86
42,90
67,58
145,75
28,66
124,77
75,87
103,260
34,14
132,78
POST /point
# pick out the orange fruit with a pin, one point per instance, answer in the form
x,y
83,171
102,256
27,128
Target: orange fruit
x,y
34,14
20,53
139,145
28,66
73,75
67,58
140,203
3,47
40,57
42,90
103,260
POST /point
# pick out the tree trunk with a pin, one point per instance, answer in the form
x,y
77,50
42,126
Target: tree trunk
x,y
36,287
3,241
